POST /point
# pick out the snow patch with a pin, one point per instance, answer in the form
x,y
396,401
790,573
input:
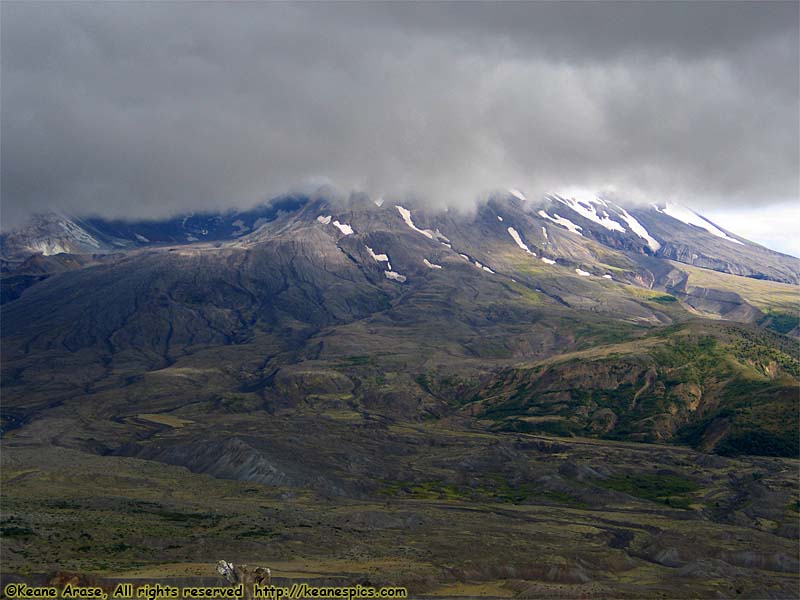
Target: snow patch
x,y
446,244
607,276
464,256
343,227
379,202
431,265
515,235
378,257
587,207
191,238
544,232
549,261
639,230
324,220
566,223
48,247
395,276
141,238
517,194
583,273
499,218
484,267
406,214
78,233
688,216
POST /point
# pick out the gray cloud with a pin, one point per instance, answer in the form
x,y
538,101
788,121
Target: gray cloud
x,y
146,109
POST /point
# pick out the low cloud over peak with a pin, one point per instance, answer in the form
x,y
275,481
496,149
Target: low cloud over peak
x,y
146,109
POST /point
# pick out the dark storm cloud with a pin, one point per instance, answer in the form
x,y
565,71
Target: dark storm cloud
x,y
153,108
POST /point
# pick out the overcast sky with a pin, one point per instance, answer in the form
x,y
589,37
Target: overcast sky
x,y
147,109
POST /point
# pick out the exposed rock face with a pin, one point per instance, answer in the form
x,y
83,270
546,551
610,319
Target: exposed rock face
x,y
728,305
694,245
234,458
603,421
52,233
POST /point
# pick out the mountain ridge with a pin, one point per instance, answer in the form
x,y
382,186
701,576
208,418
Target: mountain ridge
x,y
42,234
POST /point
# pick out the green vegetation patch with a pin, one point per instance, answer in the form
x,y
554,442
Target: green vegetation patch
x,y
560,427
358,360
425,490
780,321
175,516
258,532
495,488
16,531
671,490
762,443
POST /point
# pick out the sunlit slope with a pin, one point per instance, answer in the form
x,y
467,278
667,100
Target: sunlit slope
x,y
727,388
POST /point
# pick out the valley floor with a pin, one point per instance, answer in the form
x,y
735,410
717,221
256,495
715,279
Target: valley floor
x,y
468,514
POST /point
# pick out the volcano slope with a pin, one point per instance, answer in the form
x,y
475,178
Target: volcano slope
x,y
357,393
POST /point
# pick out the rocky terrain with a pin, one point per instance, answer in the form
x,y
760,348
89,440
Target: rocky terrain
x,y
564,397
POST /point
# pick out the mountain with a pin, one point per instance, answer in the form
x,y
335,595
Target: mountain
x,y
564,355
53,233
665,231
309,279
